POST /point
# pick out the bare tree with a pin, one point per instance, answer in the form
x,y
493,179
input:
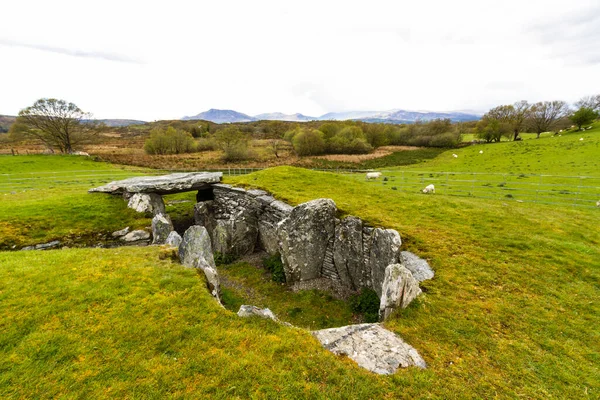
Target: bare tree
x,y
512,115
59,125
544,115
592,102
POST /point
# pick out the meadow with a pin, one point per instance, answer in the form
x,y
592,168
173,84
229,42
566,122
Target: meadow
x,y
512,312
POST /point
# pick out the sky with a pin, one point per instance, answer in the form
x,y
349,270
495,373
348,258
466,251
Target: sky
x,y
154,60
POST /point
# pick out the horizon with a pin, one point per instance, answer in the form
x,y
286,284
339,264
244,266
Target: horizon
x,y
264,56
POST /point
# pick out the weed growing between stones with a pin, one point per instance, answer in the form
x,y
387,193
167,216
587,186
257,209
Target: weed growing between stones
x,y
367,304
274,265
224,259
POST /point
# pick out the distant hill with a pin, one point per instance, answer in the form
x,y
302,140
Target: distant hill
x,y
5,122
115,123
277,116
221,116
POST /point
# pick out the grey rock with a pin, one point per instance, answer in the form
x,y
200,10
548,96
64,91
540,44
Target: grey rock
x,y
174,239
371,346
173,183
273,213
250,311
384,250
196,245
212,278
120,233
46,246
348,253
28,248
418,266
305,236
237,235
398,290
147,202
257,192
161,228
135,236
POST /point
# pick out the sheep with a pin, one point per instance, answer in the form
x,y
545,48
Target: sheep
x,y
480,151
373,175
580,138
598,203
429,189
454,155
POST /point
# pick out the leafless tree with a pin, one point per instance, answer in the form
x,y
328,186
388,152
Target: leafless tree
x,y
592,102
544,115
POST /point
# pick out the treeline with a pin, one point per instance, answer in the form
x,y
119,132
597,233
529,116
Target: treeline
x,y
545,116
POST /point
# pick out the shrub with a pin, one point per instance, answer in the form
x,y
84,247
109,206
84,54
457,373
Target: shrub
x,y
274,265
206,144
171,141
234,144
349,140
308,142
366,303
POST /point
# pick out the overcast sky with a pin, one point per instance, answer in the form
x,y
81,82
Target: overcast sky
x,y
165,59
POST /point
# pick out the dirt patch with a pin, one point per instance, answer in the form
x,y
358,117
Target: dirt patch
x,y
358,158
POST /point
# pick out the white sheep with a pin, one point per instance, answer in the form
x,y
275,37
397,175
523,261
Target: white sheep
x,y
429,189
580,138
454,155
373,175
598,203
480,151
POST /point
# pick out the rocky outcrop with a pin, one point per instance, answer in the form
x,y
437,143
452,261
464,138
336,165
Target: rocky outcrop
x,y
147,202
398,290
173,183
419,267
195,251
136,236
371,346
174,239
304,237
251,311
161,228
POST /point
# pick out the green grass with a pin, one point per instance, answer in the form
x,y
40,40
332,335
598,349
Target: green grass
x,y
405,157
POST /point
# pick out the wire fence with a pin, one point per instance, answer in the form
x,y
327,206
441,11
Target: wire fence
x,y
578,191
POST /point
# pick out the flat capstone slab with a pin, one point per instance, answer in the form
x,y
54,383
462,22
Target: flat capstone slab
x,y
163,184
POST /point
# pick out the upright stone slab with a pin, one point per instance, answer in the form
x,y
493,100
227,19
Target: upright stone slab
x,y
147,202
304,237
161,228
174,239
398,290
274,211
348,253
384,250
195,251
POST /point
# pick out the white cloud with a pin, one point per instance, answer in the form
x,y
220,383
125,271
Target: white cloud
x,y
157,60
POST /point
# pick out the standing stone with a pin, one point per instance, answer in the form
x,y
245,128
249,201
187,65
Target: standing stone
x,y
147,202
161,228
418,266
174,239
384,250
195,251
371,346
304,237
399,289
274,212
348,253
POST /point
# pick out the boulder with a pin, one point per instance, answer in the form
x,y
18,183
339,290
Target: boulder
x,y
418,266
274,212
398,290
161,228
174,239
371,346
212,278
195,245
348,253
384,250
147,202
237,235
135,236
250,311
122,232
304,237
49,245
173,183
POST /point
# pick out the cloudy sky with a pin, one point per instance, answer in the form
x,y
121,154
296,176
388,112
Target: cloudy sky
x,y
160,60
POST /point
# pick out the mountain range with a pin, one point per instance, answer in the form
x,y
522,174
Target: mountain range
x,y
390,116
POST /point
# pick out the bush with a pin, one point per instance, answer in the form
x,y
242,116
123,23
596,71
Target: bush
x,y
349,140
206,144
171,141
234,144
366,303
308,142
274,265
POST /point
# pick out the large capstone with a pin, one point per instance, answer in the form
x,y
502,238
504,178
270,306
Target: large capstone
x,y
384,250
304,237
147,202
419,267
398,290
348,253
371,346
161,228
164,184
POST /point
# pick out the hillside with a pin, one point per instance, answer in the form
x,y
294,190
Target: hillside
x,y
221,116
277,116
5,122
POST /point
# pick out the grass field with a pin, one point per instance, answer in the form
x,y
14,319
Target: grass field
x,y
512,312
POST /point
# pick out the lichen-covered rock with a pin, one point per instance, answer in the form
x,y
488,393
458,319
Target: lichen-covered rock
x,y
371,346
161,228
304,237
147,202
250,311
122,232
136,236
418,266
195,244
204,215
384,250
398,290
273,213
212,278
174,239
348,253
173,183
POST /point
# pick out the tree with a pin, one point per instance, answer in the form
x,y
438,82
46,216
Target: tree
x,y
59,125
234,144
592,102
171,141
308,142
583,116
513,115
545,115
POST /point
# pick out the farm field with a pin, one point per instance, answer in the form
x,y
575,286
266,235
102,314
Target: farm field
x,y
512,311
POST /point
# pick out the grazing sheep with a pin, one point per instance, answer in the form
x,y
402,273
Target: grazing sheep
x,y
598,203
480,151
81,153
580,138
429,189
373,175
454,155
